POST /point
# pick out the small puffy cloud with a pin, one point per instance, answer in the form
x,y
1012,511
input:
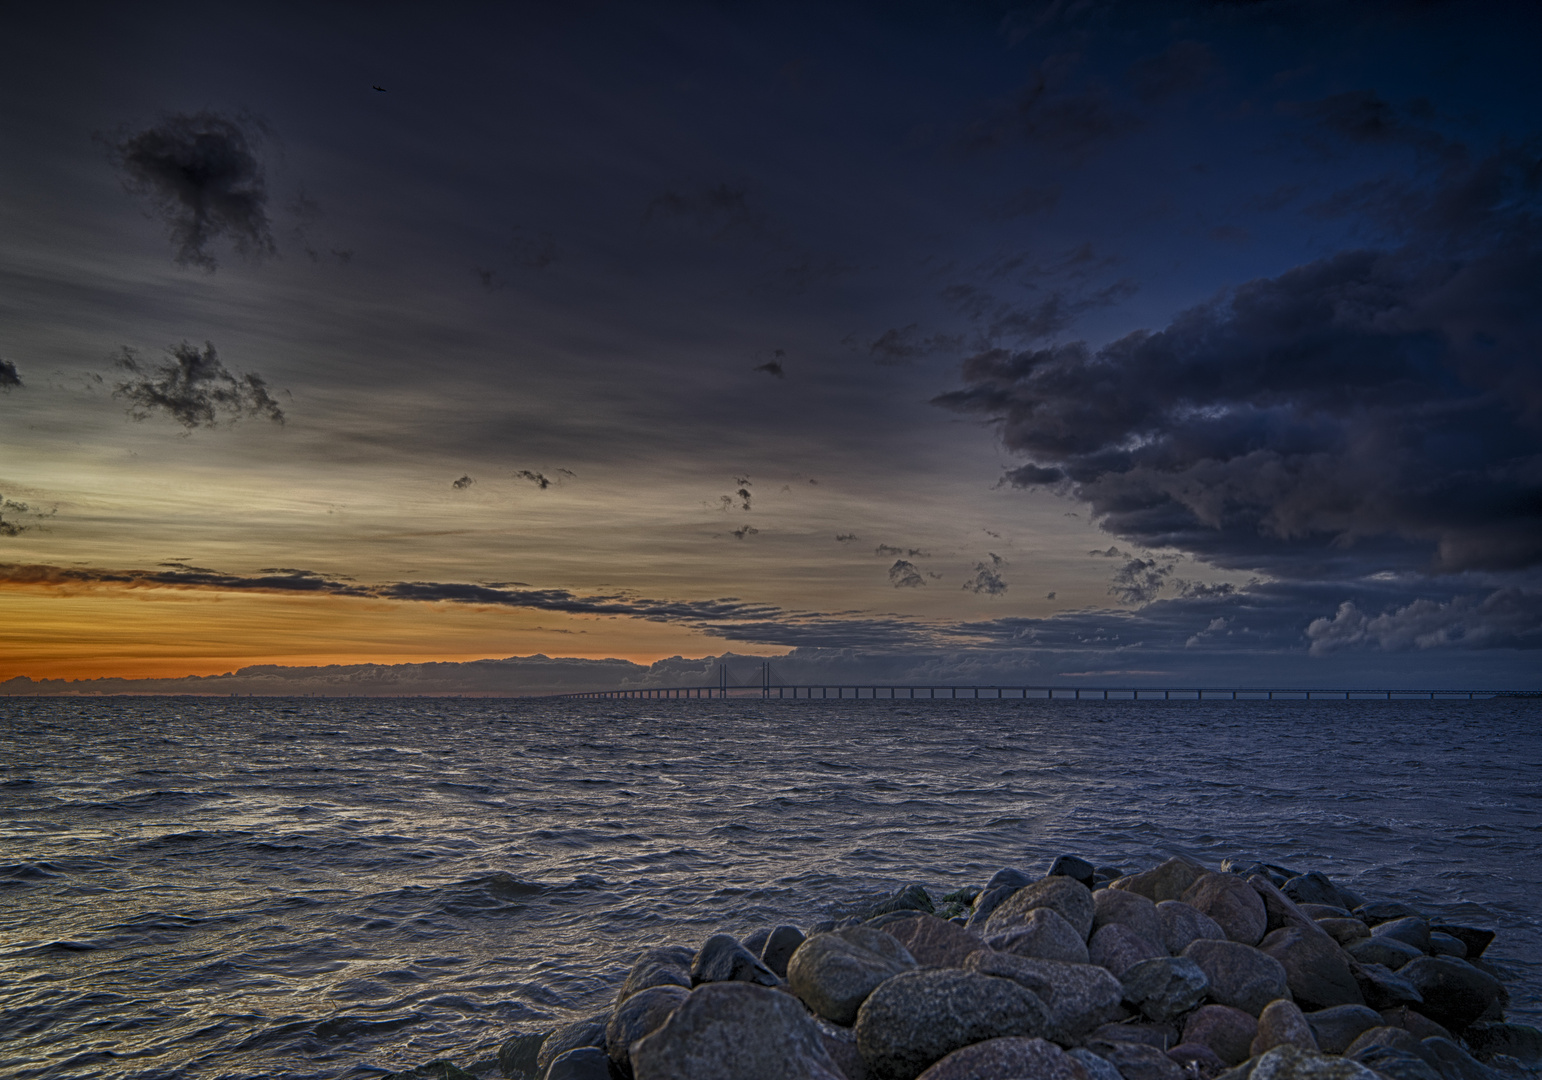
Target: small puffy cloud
x,y
462,484
9,380
192,387
541,480
744,530
987,577
1139,581
845,538
904,575
772,367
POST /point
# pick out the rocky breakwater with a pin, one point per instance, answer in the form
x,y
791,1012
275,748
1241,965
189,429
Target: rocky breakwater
x,y
1179,972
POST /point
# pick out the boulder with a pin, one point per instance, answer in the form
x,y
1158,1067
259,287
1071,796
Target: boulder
x,y
641,1014
1043,934
841,1044
912,897
1128,909
1282,1024
1476,940
1008,1057
1384,988
1069,899
1520,1041
1076,869
1380,911
1227,1031
1294,1063
1446,945
1455,993
585,1063
920,1017
1390,953
1118,948
1454,1063
1397,1064
1097,1068
723,959
1316,969
1232,904
1182,925
1165,988
1161,1035
1197,1059
1414,1022
1003,883
1336,1028
1344,931
1079,997
1325,911
1239,975
933,942
1280,909
572,1036
739,1030
1166,882
517,1055
779,946
666,966
1137,1061
1313,888
834,973
1410,929
1394,1037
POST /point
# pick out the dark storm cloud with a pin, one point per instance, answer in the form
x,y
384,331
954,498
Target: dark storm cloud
x,y
1184,66
1506,618
987,577
1367,409
194,388
9,379
904,575
204,178
462,484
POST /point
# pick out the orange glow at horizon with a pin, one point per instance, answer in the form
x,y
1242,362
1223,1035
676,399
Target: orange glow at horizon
x,y
139,633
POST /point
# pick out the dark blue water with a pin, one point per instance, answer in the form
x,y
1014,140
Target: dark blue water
x,y
246,888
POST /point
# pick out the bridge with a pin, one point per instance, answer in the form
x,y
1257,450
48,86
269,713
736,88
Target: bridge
x,y
768,687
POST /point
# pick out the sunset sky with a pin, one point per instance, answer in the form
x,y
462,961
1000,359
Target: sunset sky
x,y
1071,340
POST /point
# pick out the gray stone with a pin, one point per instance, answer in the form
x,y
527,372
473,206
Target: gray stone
x,y
1411,930
1182,926
1008,876
1282,1024
1390,953
1128,909
1336,1028
1455,993
912,897
1043,934
1227,1031
573,1036
1316,969
1232,903
1475,939
1414,1022
723,959
1139,1030
1165,988
1325,911
1006,1058
639,1015
1344,931
779,946
739,1030
841,1044
1454,1063
1079,997
1098,1068
1137,1061
1280,909
1069,899
920,1017
1166,882
1313,888
1294,1063
1446,945
669,965
1380,911
585,1063
517,1055
986,903
933,942
1520,1041
1239,975
1118,948
1076,869
1384,988
834,973
1197,1059
1397,1064
1386,1036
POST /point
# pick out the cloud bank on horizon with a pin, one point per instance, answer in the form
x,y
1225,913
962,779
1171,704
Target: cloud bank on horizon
x,y
1200,338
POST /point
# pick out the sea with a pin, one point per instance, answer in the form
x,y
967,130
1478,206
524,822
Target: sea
x,y
249,887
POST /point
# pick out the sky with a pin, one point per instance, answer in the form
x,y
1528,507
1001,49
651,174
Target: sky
x,y
1053,342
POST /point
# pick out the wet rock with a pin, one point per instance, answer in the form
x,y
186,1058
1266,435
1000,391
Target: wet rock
x,y
1390,953
1397,1064
641,1014
920,1017
666,966
1282,1024
1281,910
841,1044
573,1036
1316,969
517,1055
1069,899
1325,911
933,942
1136,1061
1414,1022
1007,1057
1246,868
1476,940
912,897
1454,1063
1097,1068
1446,945
1166,882
1239,975
1411,930
780,944
1165,988
1146,1032
1294,1063
1128,909
739,1030
1079,997
1232,904
1003,883
723,959
1455,993
1384,988
1197,1059
1045,935
1336,1028
1313,888
1380,911
1345,931
1076,869
440,1069
585,1063
1227,1031
1118,948
834,973
1392,1037
1520,1041
1182,925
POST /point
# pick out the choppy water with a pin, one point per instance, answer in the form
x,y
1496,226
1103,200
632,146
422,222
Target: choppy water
x,y
245,888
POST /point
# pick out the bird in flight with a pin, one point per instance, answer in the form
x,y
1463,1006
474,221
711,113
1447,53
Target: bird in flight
x,y
381,89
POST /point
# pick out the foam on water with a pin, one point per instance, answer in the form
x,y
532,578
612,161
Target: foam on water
x,y
245,888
